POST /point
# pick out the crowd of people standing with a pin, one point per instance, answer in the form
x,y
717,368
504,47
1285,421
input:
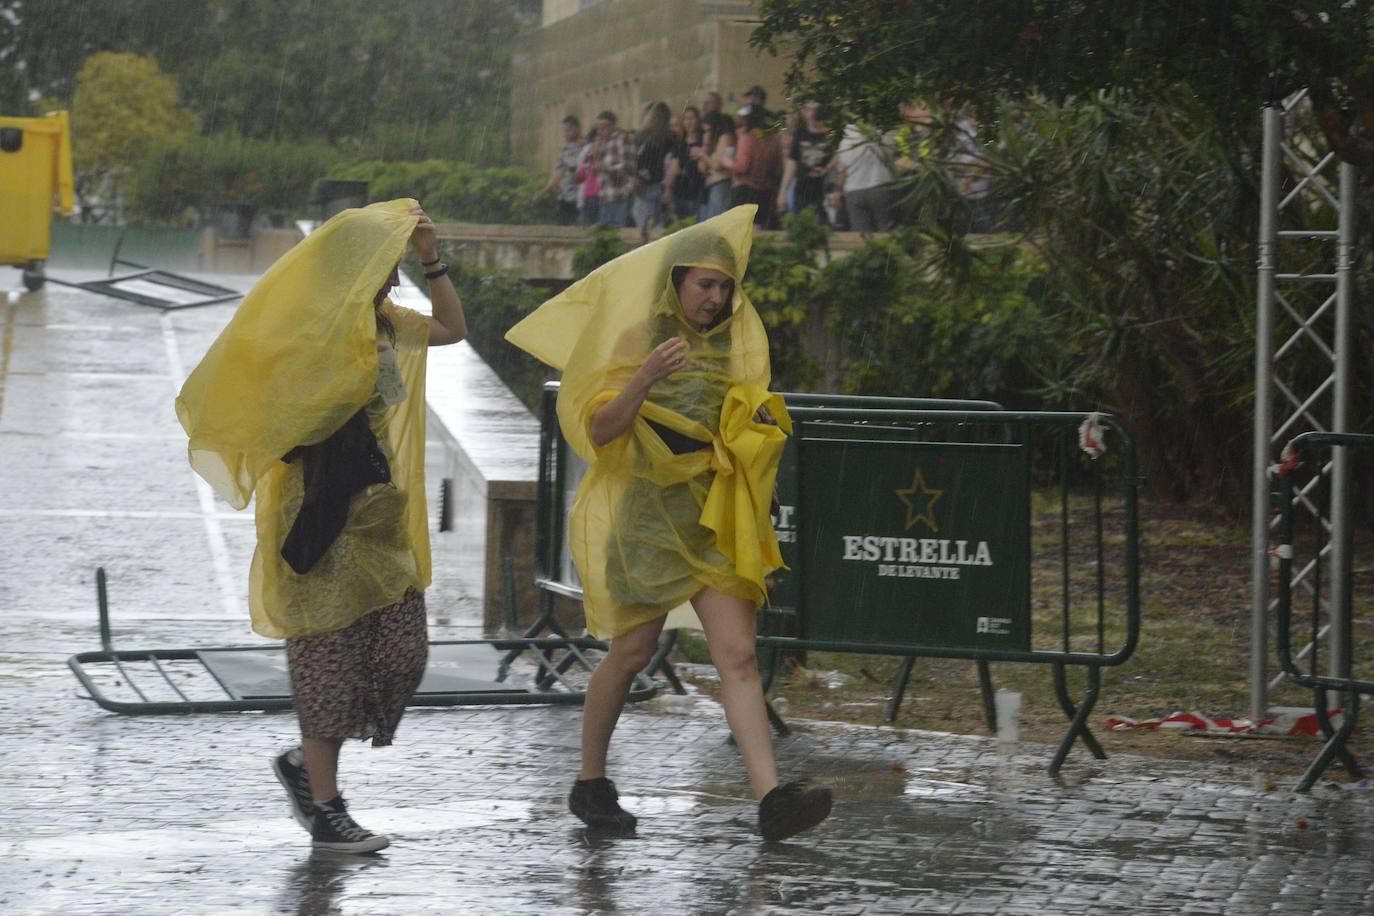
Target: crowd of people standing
x,y
702,161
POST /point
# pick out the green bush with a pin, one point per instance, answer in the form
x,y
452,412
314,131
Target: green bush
x,y
493,301
604,245
913,314
458,191
780,282
208,172
909,327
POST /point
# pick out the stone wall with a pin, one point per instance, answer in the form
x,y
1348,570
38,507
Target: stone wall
x,y
624,54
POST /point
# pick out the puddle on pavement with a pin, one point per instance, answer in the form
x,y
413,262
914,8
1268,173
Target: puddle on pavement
x,y
193,842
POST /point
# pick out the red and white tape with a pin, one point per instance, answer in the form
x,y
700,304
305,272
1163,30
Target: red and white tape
x,y
1091,436
1293,724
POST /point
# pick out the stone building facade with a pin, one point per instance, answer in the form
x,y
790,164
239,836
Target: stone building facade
x,y
621,55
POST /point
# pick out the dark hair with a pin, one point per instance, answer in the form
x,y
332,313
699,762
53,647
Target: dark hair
x,y
384,324
718,123
656,126
606,116
572,119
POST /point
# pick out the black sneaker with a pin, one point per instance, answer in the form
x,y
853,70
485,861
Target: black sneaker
x,y
791,808
290,770
595,802
335,831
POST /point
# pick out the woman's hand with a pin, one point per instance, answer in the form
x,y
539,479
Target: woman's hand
x,y
617,415
665,359
424,238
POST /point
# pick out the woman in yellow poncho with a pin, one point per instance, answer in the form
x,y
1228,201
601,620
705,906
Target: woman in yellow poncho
x,y
664,393
311,400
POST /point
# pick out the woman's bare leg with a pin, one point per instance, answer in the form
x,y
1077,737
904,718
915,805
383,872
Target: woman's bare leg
x,y
730,630
322,766
607,690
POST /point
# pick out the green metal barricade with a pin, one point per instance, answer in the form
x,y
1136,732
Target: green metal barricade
x,y
780,617
913,538
1302,451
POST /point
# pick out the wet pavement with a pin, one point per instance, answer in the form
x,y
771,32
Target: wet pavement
x,y
149,815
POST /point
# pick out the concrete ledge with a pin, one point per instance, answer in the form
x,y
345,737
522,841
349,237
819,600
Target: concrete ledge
x,y
491,456
546,252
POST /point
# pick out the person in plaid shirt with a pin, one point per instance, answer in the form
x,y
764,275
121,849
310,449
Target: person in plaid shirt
x,y
613,160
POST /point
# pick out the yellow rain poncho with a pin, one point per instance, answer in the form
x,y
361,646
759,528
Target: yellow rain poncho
x,y
650,527
298,359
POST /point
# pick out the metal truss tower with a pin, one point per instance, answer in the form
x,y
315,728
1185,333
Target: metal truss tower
x,y
1307,216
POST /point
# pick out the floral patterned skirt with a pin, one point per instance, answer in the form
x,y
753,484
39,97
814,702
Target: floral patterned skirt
x,y
355,682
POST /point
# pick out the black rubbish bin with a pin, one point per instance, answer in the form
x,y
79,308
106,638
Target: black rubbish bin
x,y
332,195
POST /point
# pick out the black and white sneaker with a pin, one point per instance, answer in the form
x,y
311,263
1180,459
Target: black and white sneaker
x,y
597,803
791,808
336,831
290,769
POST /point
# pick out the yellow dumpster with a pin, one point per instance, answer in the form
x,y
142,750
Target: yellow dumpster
x,y
35,179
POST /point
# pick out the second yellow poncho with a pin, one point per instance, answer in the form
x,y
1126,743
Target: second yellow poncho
x,y
296,361
650,528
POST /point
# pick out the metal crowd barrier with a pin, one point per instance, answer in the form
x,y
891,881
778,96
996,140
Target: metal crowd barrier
x,y
914,539
1341,681
906,527
471,672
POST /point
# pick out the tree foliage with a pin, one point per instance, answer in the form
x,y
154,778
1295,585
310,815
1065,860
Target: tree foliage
x,y
123,106
1229,55
415,79
1121,141
900,316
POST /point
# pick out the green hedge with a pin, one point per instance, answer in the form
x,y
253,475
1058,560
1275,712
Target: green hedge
x,y
208,172
183,183
459,191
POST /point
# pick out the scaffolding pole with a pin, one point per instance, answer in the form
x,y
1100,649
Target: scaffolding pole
x,y
1282,409
1264,415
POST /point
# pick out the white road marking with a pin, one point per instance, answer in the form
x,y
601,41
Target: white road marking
x,y
214,533
119,513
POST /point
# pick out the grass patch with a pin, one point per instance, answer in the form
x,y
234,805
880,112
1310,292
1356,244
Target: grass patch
x,y
1193,652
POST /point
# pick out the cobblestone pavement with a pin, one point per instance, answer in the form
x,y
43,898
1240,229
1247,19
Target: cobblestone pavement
x,y
150,815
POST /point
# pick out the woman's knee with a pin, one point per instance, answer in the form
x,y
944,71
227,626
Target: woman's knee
x,y
625,665
631,654
735,660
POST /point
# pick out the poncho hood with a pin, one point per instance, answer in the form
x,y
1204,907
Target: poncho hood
x,y
299,356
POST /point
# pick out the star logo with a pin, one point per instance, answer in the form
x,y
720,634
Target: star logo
x,y
922,496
